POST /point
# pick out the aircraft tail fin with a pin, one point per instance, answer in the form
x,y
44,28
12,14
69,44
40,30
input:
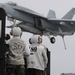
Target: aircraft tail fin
x,y
70,14
51,14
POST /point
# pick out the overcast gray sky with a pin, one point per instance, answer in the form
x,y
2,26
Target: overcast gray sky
x,y
61,60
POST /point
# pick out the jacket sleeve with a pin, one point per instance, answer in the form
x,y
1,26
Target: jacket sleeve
x,y
26,51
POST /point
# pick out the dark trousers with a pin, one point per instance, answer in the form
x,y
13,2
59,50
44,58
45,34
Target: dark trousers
x,y
32,71
15,70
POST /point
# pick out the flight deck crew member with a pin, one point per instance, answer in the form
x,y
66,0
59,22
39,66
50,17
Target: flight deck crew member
x,y
37,60
15,57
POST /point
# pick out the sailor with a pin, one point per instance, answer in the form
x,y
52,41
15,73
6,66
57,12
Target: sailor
x,y
37,60
15,58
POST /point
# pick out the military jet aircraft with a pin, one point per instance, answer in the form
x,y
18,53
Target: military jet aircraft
x,y
33,22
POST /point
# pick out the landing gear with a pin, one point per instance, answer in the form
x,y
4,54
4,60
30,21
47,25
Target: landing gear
x,y
52,40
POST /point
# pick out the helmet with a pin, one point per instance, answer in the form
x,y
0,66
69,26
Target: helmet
x,y
35,39
16,31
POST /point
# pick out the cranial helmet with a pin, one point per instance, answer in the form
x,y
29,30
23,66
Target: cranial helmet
x,y
16,31
35,39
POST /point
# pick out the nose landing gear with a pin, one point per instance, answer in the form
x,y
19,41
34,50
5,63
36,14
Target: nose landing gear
x,y
52,40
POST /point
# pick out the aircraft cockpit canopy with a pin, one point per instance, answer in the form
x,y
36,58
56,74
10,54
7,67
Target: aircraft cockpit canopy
x,y
12,3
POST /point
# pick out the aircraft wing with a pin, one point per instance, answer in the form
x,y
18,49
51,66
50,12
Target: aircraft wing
x,y
60,20
26,10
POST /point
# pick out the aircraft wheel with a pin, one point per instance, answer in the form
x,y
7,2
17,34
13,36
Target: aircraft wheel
x,y
52,40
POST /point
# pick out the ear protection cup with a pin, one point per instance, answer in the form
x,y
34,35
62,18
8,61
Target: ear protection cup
x,y
30,41
39,40
7,37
